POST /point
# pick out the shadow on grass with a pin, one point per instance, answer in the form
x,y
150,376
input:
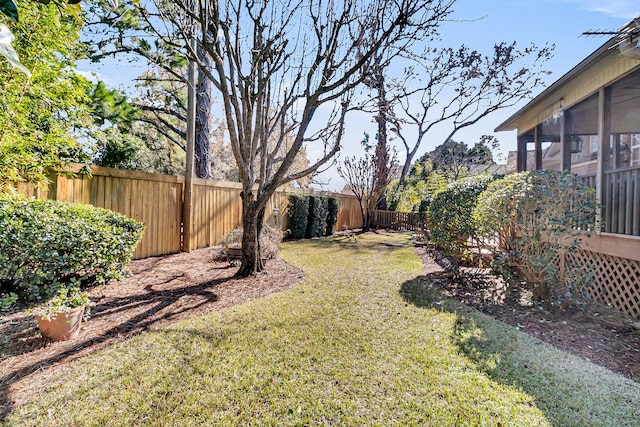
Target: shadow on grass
x,y
476,344
569,392
149,304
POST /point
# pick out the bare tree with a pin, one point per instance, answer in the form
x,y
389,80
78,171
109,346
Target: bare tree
x,y
458,88
276,64
368,176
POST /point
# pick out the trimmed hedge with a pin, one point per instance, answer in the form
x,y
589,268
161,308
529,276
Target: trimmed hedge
x,y
298,216
318,207
332,215
450,215
45,245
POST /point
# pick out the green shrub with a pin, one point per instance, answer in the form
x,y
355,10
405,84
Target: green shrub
x,y
46,245
423,208
538,217
450,215
298,215
332,215
317,216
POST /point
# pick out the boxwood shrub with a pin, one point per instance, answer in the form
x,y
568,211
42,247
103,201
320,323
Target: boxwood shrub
x,y
46,244
298,216
332,215
317,216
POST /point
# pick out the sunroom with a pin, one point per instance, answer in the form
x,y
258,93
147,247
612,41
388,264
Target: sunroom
x,y
588,123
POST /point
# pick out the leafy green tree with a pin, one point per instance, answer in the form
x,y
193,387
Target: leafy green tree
x,y
447,163
9,9
457,158
133,29
38,112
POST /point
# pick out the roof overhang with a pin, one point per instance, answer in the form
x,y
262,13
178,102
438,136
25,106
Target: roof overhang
x,y
510,123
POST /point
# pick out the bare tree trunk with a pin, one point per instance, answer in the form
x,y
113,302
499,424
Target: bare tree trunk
x,y
381,156
203,113
364,210
408,163
251,225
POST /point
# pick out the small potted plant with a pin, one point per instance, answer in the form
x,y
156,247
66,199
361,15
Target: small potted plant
x,y
59,318
232,244
270,241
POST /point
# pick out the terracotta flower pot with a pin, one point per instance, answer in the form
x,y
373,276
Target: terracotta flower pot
x,y
62,327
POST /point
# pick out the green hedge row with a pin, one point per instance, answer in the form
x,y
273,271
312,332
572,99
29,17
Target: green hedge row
x,y
46,245
531,219
312,216
450,215
298,216
332,215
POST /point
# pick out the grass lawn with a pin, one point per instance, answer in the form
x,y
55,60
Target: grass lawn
x,y
362,341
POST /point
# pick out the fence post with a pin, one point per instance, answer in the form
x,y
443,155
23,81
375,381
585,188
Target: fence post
x,y
187,211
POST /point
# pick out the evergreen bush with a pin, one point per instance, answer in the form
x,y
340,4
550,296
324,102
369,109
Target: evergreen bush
x,y
537,217
317,216
298,215
332,215
450,215
46,245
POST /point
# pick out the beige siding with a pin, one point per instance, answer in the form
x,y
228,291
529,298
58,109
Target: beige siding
x,y
609,69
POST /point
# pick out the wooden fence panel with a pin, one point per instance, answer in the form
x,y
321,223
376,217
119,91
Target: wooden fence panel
x,y
349,214
216,210
277,210
405,221
156,200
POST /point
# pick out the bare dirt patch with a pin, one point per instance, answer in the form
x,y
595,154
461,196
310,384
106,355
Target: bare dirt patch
x,y
161,290
596,333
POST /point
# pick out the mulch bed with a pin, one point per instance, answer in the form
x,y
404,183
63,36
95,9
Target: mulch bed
x,y
596,333
163,290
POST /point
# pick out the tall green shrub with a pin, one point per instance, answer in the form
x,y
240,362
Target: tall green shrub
x,y
318,207
45,245
332,215
537,217
298,215
450,215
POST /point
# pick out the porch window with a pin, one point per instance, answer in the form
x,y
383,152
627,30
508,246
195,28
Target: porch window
x,y
621,180
581,136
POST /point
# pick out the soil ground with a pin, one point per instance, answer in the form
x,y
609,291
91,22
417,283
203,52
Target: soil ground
x,y
596,333
163,290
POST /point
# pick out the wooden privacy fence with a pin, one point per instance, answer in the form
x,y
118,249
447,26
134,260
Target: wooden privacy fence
x,y
407,221
157,201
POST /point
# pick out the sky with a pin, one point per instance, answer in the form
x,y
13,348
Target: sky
x,y
480,24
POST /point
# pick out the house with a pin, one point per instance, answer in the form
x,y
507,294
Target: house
x,y
588,122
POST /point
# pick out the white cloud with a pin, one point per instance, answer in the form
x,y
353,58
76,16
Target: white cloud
x,y
627,9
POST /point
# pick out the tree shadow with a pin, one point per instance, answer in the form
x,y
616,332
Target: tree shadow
x,y
514,359
151,307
